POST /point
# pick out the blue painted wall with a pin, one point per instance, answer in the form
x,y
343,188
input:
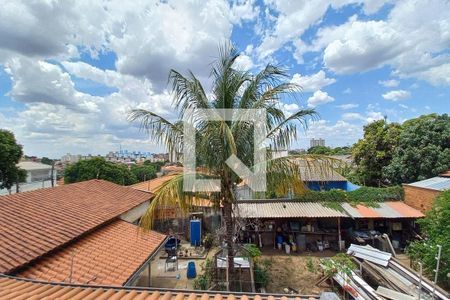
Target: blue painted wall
x,y
329,185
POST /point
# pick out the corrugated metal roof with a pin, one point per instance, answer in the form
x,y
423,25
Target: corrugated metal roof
x,y
390,209
435,183
370,254
286,209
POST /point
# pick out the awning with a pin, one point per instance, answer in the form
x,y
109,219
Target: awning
x,y
263,209
390,209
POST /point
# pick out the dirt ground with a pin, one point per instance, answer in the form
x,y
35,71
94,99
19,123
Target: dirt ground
x,y
292,272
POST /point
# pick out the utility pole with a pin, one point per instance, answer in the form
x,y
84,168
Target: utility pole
x,y
438,259
420,280
52,174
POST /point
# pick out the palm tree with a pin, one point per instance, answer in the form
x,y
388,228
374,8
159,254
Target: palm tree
x,y
216,141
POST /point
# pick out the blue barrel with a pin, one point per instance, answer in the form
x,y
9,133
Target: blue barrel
x,y
279,239
196,232
191,272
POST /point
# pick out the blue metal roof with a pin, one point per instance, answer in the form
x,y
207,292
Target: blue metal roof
x,y
435,183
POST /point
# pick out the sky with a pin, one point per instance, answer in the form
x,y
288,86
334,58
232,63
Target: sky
x,y
70,71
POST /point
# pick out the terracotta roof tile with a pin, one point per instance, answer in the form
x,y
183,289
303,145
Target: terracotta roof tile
x,y
17,288
36,222
108,256
152,185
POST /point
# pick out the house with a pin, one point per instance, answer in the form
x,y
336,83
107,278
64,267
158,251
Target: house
x,y
36,171
38,176
78,233
421,194
317,176
171,217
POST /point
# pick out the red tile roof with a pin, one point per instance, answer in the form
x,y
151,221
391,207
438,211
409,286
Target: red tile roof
x,y
34,223
17,288
154,184
108,256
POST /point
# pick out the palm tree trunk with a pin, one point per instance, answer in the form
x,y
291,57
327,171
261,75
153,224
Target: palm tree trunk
x,y
228,218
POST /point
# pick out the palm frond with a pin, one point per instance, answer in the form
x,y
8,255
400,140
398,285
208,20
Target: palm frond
x,y
171,196
161,130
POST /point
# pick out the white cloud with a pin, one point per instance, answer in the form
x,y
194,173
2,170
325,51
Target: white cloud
x,y
362,45
371,7
396,95
413,40
243,62
374,116
337,134
42,82
293,19
389,83
312,83
319,98
347,91
289,109
352,116
244,10
347,106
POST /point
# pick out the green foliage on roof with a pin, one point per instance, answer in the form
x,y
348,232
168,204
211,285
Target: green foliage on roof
x,y
368,196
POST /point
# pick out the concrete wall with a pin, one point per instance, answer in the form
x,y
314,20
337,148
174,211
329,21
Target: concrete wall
x,y
420,198
135,213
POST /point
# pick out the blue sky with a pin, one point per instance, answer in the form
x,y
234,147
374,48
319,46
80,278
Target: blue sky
x,y
70,72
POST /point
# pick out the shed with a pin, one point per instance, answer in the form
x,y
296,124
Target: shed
x,y
421,194
298,224
394,218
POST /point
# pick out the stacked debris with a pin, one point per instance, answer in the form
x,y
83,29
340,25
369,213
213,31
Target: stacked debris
x,y
381,271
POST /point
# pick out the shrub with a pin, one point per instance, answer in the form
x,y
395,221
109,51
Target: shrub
x,y
436,227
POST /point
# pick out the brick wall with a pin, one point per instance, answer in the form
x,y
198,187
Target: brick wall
x,y
419,198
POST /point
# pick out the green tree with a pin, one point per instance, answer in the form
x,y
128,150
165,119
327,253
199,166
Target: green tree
x,y
144,172
217,141
10,154
320,150
436,227
99,168
423,150
47,161
157,164
374,151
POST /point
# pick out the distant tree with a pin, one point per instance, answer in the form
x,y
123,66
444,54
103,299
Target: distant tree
x,y
324,150
144,172
11,152
423,150
99,168
435,226
157,164
320,150
342,150
374,151
46,160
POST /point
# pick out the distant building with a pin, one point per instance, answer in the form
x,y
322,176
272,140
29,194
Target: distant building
x,y
316,142
36,171
38,176
421,194
70,158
